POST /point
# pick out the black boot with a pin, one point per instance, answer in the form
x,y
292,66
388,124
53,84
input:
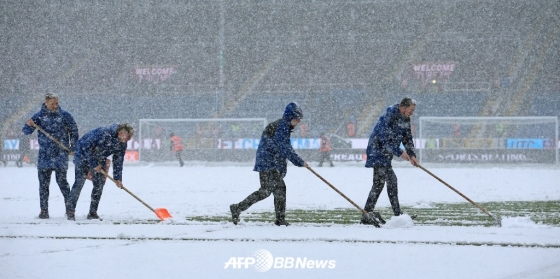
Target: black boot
x,y
92,215
234,213
369,219
378,217
281,223
70,215
44,214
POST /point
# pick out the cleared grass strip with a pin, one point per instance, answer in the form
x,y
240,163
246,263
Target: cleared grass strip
x,y
440,214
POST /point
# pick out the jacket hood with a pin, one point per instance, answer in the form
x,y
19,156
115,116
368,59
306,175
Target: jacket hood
x,y
113,128
292,111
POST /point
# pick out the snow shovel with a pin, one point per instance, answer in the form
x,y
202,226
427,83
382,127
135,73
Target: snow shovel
x,y
161,213
370,215
496,218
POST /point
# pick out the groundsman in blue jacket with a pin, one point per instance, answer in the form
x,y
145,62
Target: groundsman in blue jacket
x,y
52,157
392,129
91,153
273,152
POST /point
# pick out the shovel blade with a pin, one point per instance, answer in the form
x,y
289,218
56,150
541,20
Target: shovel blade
x,y
162,213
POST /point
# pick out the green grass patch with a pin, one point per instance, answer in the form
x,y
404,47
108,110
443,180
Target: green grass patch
x,y
440,214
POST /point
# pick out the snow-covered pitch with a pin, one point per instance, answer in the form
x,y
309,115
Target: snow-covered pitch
x,y
177,248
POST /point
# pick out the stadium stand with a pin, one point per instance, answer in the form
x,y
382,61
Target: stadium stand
x,y
250,58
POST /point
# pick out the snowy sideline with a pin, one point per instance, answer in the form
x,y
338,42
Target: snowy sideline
x,y
33,248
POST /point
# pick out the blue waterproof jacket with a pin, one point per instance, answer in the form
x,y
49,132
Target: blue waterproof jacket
x,y
275,146
95,146
59,124
391,130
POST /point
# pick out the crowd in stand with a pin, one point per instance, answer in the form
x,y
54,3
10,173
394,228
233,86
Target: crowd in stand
x,y
331,59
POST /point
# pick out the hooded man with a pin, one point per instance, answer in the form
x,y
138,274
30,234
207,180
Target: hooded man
x,y
273,152
325,150
60,125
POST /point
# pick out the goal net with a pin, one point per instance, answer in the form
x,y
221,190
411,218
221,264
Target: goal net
x,y
201,138
488,140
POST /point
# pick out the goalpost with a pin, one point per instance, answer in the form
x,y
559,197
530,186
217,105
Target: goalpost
x,y
202,138
502,140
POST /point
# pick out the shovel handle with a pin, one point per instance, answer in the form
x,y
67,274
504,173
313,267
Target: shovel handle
x,y
456,191
124,188
334,188
53,139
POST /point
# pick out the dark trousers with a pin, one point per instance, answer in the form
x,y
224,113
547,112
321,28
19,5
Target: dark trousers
x,y
271,183
98,180
382,175
44,183
325,156
178,155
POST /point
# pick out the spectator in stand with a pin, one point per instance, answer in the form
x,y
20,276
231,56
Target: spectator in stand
x,y
392,129
303,129
177,147
351,126
60,125
456,130
350,129
325,150
92,151
272,154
